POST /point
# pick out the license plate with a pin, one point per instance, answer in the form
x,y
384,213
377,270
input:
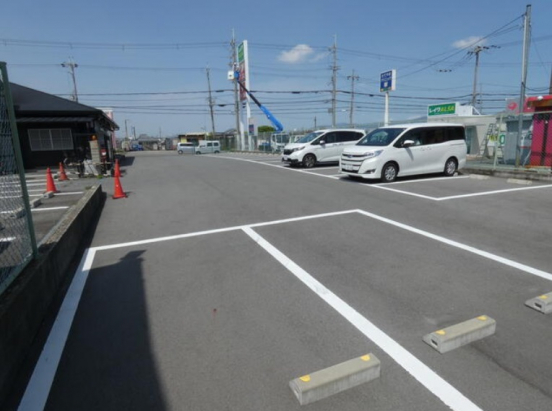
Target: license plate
x,y
348,167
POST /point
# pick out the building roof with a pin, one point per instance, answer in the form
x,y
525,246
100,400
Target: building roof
x,y
32,103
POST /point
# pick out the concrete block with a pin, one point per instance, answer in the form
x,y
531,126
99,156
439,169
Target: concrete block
x,y
17,213
36,202
48,194
332,380
456,336
542,303
519,181
479,177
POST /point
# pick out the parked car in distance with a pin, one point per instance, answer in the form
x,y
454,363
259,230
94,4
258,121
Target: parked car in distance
x,y
185,148
404,150
207,147
321,146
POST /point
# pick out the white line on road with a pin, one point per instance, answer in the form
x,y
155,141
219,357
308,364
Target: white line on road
x,y
509,190
50,208
423,180
221,230
38,389
490,256
39,386
386,185
425,375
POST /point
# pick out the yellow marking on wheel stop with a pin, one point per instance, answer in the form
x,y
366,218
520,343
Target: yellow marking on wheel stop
x,y
482,318
441,332
543,297
305,378
365,357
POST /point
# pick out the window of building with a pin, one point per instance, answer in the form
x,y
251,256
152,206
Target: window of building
x,y
51,139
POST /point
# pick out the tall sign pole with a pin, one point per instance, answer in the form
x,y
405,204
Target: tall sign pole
x,y
234,68
388,82
243,68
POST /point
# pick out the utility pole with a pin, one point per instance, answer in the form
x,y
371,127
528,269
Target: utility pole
x,y
335,68
211,104
352,78
476,51
526,42
72,65
126,129
233,66
315,122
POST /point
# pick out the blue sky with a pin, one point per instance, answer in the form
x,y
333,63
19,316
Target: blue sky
x,y
147,59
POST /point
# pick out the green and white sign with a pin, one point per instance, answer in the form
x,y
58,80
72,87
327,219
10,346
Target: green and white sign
x,y
441,109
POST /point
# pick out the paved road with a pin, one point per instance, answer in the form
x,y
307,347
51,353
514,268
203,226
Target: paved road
x,y
221,278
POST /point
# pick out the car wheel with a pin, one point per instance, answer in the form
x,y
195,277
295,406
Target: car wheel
x,y
179,151
309,161
198,152
450,167
216,152
389,173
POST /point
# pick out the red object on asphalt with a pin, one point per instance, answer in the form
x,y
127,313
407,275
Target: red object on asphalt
x,y
119,193
61,175
50,186
117,169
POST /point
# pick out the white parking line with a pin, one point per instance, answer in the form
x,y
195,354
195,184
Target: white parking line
x,y
385,186
273,165
425,375
424,180
508,190
49,209
38,389
36,393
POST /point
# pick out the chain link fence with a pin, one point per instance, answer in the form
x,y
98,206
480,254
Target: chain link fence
x,y
17,241
502,147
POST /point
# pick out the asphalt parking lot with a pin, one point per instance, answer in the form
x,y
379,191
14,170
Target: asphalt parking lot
x,y
223,277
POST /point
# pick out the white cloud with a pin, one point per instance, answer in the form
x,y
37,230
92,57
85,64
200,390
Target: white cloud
x,y
469,42
298,54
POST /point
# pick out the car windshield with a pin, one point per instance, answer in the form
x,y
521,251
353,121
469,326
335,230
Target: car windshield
x,y
309,137
380,137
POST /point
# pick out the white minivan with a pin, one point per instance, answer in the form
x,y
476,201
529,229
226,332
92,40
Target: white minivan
x,y
404,150
208,146
321,146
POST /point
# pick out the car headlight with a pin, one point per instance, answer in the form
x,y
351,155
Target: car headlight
x,y
297,149
370,154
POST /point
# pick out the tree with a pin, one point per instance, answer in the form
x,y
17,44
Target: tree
x,y
265,129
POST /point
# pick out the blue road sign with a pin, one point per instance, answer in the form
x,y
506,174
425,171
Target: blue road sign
x,y
387,81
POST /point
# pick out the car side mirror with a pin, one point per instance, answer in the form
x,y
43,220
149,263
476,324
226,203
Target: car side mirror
x,y
322,142
407,143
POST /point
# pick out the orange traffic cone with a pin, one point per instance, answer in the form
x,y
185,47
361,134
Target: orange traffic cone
x,y
117,169
50,186
61,174
119,193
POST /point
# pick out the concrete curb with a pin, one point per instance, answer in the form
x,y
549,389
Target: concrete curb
x,y
542,303
520,174
334,379
455,336
25,304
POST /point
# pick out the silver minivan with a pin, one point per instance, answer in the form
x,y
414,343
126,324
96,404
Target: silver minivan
x,y
405,150
321,146
185,148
